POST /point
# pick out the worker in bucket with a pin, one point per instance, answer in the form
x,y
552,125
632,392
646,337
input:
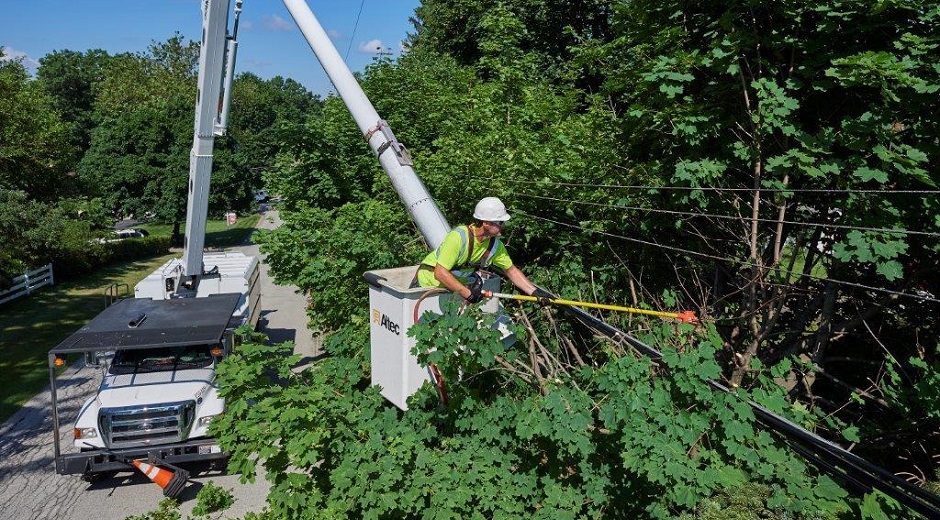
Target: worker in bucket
x,y
468,249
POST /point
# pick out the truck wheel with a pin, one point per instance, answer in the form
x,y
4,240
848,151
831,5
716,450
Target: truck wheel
x,y
97,476
219,464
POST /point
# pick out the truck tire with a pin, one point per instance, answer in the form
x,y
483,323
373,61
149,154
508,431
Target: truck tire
x,y
97,476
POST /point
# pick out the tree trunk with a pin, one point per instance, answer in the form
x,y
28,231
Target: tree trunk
x,y
744,360
177,237
781,213
825,325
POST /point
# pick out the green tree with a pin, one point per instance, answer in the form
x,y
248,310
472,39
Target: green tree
x,y
459,28
36,233
33,157
138,160
139,154
265,114
777,101
166,70
70,77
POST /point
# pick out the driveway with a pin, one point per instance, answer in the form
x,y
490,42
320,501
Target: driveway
x,y
29,486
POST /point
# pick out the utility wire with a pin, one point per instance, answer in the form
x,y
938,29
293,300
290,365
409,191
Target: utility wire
x,y
740,262
355,28
714,188
853,470
732,217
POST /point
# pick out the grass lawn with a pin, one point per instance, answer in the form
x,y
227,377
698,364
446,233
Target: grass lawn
x,y
32,325
818,271
218,232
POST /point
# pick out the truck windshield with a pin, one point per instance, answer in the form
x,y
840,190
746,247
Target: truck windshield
x,y
159,359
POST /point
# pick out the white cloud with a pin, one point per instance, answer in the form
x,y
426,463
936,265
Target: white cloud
x,y
334,34
245,25
372,47
276,23
10,54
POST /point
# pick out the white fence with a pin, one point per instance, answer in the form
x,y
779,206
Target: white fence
x,y
27,283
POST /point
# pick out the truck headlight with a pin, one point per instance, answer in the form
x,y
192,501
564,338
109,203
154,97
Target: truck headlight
x,y
85,433
203,422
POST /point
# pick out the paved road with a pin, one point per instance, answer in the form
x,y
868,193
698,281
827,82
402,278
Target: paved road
x,y
29,487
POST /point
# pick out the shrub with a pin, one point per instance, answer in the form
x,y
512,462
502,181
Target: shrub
x,y
212,498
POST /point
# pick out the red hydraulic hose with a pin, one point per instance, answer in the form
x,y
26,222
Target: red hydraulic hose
x,y
432,368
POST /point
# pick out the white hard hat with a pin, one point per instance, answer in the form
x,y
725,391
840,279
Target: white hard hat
x,y
491,209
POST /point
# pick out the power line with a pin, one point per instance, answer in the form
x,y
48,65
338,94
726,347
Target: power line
x,y
828,456
740,262
715,188
355,28
732,217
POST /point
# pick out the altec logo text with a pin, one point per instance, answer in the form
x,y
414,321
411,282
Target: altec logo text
x,y
386,322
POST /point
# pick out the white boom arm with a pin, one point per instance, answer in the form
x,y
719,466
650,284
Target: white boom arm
x,y
216,64
393,156
213,69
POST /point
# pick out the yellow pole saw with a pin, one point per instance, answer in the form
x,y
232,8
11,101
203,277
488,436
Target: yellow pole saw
x,y
683,316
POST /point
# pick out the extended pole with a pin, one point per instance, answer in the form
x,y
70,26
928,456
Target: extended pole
x,y
683,316
392,154
211,55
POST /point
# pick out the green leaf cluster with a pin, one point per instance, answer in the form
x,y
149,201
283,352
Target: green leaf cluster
x,y
325,252
212,498
760,163
613,440
167,509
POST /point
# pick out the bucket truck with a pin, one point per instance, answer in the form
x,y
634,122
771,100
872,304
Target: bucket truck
x,y
158,351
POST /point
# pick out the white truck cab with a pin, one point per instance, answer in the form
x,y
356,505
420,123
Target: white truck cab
x,y
158,392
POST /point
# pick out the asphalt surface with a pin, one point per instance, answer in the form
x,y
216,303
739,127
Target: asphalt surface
x,y
29,486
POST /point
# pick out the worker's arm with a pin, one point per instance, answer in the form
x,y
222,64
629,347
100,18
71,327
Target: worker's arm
x,y
519,279
450,281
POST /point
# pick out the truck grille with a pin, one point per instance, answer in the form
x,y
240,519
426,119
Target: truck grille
x,y
132,426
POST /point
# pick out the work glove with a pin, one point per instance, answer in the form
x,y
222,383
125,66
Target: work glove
x,y
476,291
544,297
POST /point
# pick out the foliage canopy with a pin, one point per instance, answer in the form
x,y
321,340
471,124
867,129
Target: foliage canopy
x,y
772,166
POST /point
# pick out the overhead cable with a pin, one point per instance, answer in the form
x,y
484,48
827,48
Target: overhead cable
x,y
715,188
733,260
738,218
355,28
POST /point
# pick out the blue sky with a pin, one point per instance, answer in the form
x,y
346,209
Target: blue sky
x,y
269,43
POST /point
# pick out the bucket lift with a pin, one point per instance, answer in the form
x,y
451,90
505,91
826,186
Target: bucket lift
x,y
392,303
393,308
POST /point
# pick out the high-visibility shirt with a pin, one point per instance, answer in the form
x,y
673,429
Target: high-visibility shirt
x,y
455,253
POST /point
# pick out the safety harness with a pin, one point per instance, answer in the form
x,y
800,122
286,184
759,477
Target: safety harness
x,y
466,245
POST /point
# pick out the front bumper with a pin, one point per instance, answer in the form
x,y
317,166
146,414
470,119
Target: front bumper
x,y
96,460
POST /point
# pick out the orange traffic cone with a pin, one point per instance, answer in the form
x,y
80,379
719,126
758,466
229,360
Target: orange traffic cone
x,y
172,483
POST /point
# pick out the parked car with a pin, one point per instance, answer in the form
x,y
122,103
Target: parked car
x,y
122,234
